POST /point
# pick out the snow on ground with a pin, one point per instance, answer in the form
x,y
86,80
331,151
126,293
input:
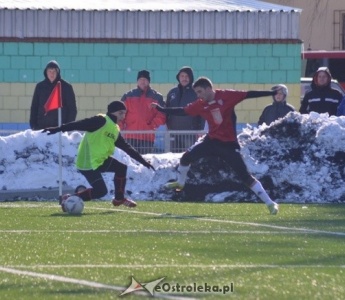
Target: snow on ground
x,y
299,159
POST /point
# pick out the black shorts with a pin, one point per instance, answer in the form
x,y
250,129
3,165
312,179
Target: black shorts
x,y
228,151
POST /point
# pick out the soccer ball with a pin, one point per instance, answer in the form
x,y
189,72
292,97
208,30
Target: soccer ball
x,y
73,205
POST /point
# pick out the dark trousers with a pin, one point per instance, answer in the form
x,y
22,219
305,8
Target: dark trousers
x,y
95,179
228,151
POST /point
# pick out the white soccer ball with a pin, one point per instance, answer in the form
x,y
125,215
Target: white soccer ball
x,y
73,205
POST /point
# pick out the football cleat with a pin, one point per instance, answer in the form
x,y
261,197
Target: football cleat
x,y
174,185
273,208
62,199
125,202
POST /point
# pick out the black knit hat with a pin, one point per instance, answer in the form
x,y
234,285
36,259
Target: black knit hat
x,y
145,74
116,106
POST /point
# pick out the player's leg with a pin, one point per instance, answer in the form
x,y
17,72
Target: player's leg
x,y
98,187
198,150
231,153
120,174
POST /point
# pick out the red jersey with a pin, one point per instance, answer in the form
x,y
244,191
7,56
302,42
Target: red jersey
x,y
218,113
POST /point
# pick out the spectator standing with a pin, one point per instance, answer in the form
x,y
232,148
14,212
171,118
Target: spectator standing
x,y
140,115
279,108
322,98
182,95
216,107
102,135
39,119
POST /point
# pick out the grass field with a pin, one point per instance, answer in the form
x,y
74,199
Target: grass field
x,y
46,254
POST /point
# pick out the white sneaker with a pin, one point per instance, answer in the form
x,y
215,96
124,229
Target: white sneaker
x,y
273,208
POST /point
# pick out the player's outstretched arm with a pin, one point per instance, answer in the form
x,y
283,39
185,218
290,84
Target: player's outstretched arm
x,y
126,147
258,94
52,130
177,111
88,124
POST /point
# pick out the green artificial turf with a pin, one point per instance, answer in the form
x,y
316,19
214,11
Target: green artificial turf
x,y
47,254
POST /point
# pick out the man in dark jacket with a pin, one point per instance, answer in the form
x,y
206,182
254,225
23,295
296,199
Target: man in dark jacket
x,y
39,119
279,108
182,95
322,98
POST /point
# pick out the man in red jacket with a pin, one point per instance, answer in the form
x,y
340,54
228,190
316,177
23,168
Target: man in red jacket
x,y
217,108
140,115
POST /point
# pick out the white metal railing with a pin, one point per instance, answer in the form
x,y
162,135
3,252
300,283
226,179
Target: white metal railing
x,y
164,140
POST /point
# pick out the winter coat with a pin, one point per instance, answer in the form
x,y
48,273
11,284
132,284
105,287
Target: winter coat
x,y
341,108
275,111
140,115
180,96
321,99
38,118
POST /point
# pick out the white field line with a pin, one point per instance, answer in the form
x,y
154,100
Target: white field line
x,y
142,266
139,231
91,284
304,230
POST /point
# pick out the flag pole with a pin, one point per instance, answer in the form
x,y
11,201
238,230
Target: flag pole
x,y
55,102
60,156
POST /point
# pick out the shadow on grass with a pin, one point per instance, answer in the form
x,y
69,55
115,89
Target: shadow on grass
x,y
171,216
66,215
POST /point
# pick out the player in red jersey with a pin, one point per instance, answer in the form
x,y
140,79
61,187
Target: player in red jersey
x,y
217,108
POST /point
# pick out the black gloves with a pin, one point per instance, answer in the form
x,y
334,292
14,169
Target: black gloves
x,y
149,166
52,130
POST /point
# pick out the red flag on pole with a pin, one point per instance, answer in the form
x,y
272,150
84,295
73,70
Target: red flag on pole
x,y
54,101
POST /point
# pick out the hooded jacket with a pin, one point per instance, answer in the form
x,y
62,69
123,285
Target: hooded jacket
x,y
180,96
321,99
38,118
140,115
276,110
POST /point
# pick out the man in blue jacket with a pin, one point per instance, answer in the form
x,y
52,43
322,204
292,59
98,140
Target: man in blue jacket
x,y
181,96
279,107
322,98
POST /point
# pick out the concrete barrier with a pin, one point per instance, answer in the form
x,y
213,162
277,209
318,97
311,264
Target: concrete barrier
x,y
43,194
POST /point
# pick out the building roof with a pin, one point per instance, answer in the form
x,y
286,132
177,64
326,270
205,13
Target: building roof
x,y
146,5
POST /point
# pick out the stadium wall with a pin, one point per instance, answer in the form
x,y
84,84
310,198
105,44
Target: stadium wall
x,y
103,72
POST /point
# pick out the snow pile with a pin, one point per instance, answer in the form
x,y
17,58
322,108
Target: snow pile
x,y
298,159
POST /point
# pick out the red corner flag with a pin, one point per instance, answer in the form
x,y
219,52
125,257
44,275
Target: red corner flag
x,y
54,101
